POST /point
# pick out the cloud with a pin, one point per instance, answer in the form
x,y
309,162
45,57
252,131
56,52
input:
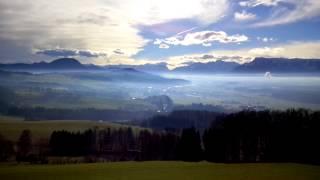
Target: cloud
x,y
186,31
119,52
69,53
183,60
87,18
163,46
289,50
204,38
179,61
254,3
296,49
159,11
98,25
244,16
266,39
87,28
90,54
267,51
68,24
57,52
93,18
285,11
157,41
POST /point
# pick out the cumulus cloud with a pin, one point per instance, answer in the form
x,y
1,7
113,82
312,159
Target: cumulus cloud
x,y
290,50
69,24
267,51
244,16
157,41
88,27
204,38
119,52
184,60
163,46
69,53
98,25
296,49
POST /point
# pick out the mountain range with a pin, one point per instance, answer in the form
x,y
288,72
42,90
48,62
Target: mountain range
x,y
280,65
258,65
210,67
58,64
72,68
158,67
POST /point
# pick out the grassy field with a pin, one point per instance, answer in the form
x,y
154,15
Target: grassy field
x,y
160,171
11,127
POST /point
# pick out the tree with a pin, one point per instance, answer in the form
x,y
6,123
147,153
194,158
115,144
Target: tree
x,y
6,149
214,141
24,145
189,147
169,143
145,138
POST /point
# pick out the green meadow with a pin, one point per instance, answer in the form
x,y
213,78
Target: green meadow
x,y
161,171
11,127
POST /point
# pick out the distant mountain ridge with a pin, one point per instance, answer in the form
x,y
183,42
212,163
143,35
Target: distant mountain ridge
x,y
72,68
280,65
70,62
158,67
58,64
258,65
210,67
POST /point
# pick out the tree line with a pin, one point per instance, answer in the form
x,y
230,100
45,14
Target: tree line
x,y
180,119
247,136
267,136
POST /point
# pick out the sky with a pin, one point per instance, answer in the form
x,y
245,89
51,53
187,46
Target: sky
x,y
152,31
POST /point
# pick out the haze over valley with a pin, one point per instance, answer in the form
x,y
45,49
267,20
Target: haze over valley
x,y
160,89
70,84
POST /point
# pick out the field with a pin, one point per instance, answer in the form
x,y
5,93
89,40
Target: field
x,y
11,127
160,171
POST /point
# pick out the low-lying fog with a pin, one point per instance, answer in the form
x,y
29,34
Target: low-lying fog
x,y
127,89
275,91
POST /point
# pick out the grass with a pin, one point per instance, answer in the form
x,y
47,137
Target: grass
x,y
161,171
11,127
